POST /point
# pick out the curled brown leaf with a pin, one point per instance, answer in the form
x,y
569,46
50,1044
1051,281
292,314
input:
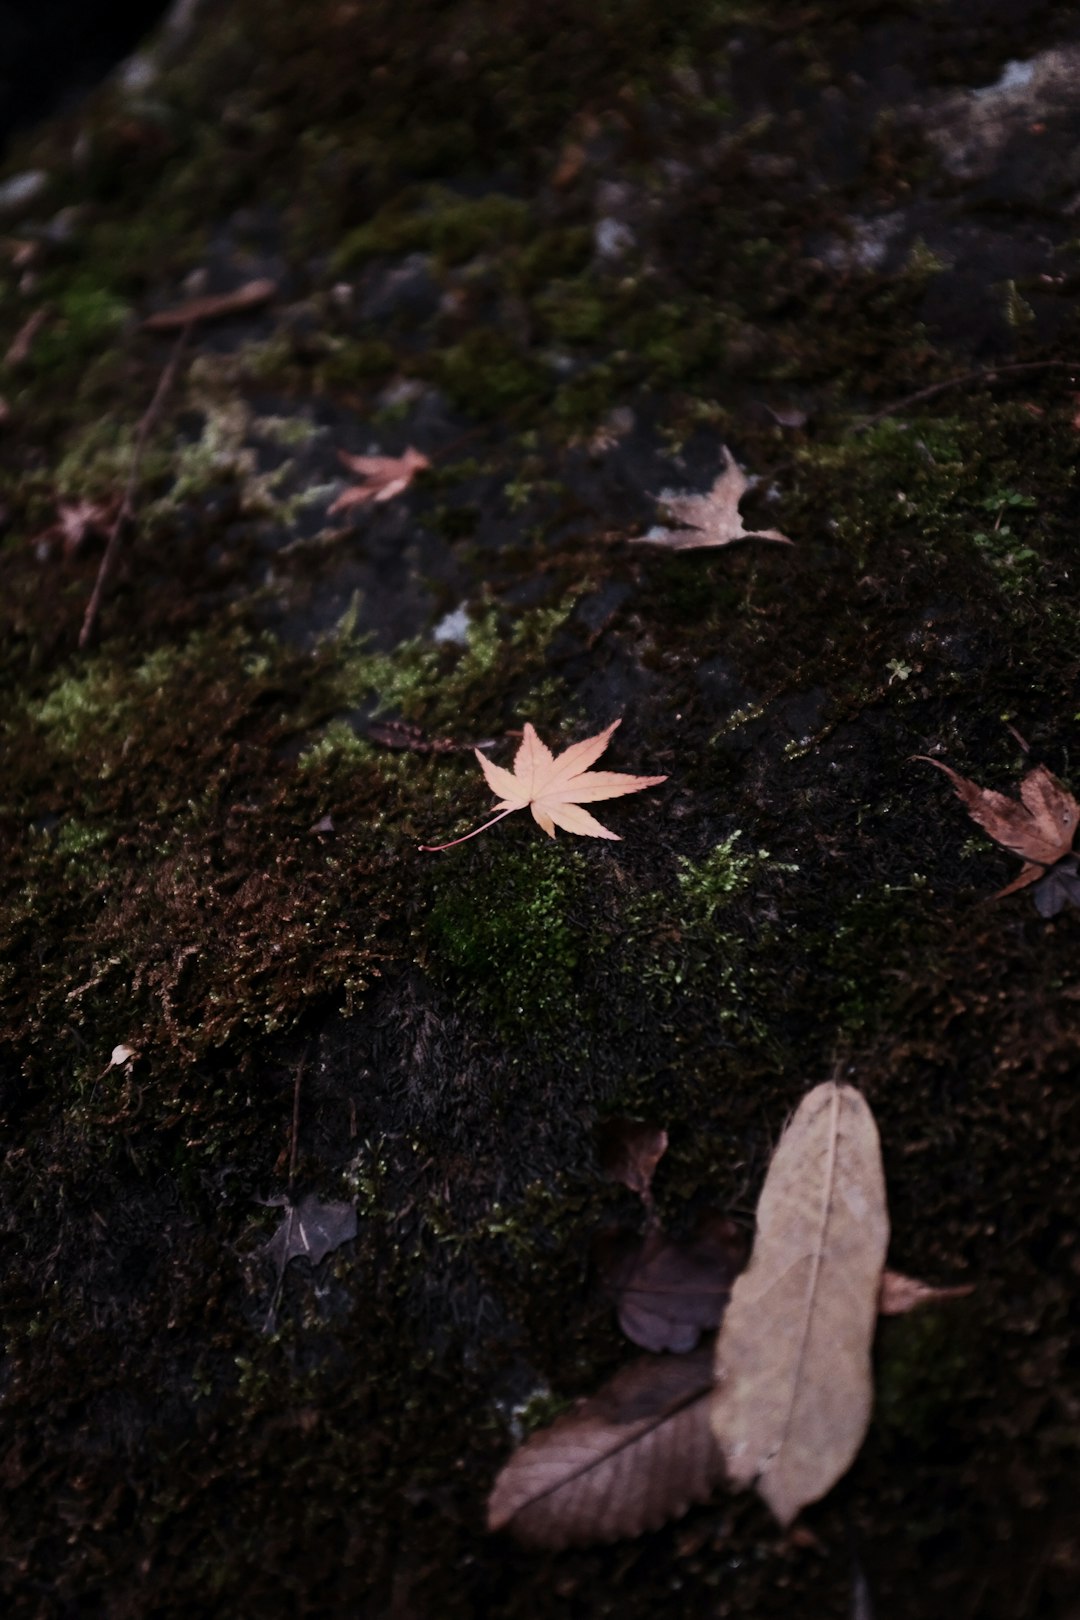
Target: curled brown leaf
x,y
1039,826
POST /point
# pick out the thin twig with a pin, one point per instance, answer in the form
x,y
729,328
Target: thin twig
x,y
127,506
980,374
294,1139
294,1136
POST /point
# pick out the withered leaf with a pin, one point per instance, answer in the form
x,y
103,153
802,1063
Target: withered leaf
x,y
900,1294
629,1150
668,1292
793,1355
634,1455
386,476
554,789
311,1230
711,519
214,307
1039,826
21,344
1057,888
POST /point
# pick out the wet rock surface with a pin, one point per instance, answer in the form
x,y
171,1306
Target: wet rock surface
x,y
568,262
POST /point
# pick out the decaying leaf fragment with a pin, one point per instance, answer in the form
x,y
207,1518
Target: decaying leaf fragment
x,y
1039,827
386,476
711,519
629,1150
667,1291
626,1460
554,789
311,1230
793,1355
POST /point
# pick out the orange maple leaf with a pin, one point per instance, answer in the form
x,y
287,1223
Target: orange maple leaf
x,y
555,789
387,476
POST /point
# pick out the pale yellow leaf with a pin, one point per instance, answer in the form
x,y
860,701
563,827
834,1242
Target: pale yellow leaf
x,y
793,1356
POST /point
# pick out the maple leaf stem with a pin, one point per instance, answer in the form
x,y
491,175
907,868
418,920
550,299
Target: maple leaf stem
x,y
433,849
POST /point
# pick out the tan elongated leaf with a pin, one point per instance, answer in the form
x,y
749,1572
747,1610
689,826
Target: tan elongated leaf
x,y
793,1355
555,788
1039,826
634,1455
711,519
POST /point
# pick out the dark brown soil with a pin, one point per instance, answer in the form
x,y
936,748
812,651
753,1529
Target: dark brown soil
x,y
568,256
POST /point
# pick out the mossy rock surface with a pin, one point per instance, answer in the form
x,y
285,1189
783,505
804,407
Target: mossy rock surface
x,y
568,258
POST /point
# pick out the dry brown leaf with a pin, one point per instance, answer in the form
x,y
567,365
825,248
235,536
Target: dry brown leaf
x,y
629,1150
793,1355
1039,827
554,789
213,307
900,1294
711,519
668,1292
387,476
634,1455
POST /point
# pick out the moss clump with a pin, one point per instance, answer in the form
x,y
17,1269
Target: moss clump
x,y
707,885
88,315
451,227
487,374
924,1370
503,938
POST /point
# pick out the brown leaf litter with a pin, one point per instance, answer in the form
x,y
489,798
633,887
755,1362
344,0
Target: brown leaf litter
x,y
1039,827
784,1398
621,1462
